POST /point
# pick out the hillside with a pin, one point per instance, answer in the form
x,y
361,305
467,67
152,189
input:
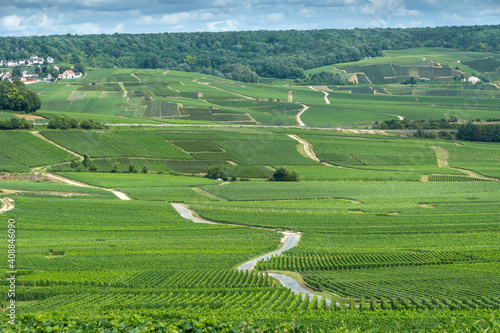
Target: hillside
x,y
239,55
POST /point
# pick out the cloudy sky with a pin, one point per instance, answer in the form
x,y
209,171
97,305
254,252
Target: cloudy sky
x,y
46,17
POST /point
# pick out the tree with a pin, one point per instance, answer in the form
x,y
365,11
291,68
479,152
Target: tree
x,y
283,174
80,68
93,168
16,72
115,167
74,163
86,160
218,172
132,169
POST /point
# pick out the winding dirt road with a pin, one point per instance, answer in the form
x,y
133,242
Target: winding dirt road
x,y
290,240
298,115
327,101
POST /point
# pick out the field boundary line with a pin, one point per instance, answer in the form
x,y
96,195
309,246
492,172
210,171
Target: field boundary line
x,y
207,194
41,136
229,91
138,78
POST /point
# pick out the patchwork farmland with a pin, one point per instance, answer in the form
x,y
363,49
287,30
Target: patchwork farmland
x,y
384,231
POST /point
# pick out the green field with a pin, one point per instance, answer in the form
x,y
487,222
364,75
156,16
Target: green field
x,y
401,233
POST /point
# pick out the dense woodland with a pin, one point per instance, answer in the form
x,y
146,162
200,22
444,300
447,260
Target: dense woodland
x,y
16,97
244,55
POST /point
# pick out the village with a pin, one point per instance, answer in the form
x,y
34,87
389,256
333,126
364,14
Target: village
x,y
38,74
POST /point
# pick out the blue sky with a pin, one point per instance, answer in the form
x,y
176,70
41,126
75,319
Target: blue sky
x,y
47,17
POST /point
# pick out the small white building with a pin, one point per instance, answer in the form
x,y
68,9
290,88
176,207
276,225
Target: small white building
x,y
50,60
473,80
69,74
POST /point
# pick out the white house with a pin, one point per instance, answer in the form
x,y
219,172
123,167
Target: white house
x,y
50,60
473,80
69,74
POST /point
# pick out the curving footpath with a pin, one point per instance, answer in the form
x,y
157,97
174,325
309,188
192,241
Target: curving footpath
x,y
120,195
290,240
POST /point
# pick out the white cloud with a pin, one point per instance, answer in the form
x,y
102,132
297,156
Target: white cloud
x,y
227,25
94,28
11,22
276,17
176,18
390,7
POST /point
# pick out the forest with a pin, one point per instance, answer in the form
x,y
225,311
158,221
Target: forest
x,y
244,55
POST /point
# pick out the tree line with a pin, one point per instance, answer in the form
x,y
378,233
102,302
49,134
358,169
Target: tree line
x,y
16,97
484,133
244,55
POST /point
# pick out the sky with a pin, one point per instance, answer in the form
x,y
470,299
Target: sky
x,y
49,17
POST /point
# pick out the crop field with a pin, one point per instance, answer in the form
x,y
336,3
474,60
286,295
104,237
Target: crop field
x,y
396,231
23,148
135,235
119,143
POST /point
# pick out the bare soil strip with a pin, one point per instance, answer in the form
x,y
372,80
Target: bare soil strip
x,y
442,161
120,195
123,89
7,204
138,78
297,116
28,116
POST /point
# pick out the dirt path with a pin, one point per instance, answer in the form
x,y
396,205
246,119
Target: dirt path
x,y
289,240
442,161
120,195
441,156
298,115
327,101
37,134
306,145
123,89
138,78
229,91
7,204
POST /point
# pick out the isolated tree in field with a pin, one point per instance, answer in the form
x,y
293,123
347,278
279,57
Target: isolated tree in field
x,y
283,174
132,168
92,167
86,161
74,163
217,172
144,169
115,167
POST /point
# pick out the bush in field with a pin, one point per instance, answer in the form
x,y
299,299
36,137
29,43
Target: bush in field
x,y
63,122
283,174
217,172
